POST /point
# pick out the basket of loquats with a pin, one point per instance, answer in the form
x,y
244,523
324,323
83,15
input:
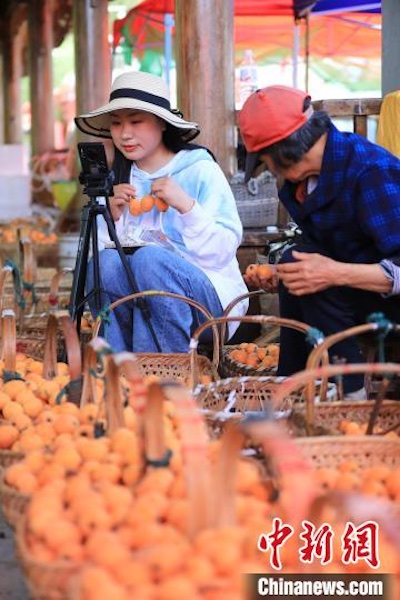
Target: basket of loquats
x,y
250,358
195,534
187,524
377,415
342,485
235,397
32,313
81,479
130,500
32,396
172,366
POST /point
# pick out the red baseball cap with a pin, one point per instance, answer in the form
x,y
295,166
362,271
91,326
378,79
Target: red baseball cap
x,y
269,116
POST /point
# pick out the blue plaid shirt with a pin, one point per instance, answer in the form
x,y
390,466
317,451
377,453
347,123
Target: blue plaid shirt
x,y
353,215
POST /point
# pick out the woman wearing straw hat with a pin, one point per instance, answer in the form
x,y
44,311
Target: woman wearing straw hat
x,y
193,225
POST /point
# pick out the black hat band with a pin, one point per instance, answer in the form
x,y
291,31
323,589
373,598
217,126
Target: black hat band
x,y
140,95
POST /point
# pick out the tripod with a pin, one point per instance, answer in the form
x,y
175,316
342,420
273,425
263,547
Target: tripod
x,y
98,186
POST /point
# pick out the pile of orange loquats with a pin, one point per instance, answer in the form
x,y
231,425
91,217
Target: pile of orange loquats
x,y
127,496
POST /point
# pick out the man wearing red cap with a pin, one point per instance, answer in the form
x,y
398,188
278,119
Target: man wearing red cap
x,y
343,192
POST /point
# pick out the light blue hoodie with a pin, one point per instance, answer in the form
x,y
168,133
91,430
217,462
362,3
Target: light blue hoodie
x,y
208,235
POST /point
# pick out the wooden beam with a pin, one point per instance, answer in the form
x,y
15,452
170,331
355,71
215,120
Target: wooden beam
x,y
357,108
353,106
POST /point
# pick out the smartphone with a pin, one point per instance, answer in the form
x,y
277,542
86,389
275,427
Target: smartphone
x,y
93,159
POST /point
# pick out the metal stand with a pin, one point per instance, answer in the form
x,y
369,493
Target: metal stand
x,y
95,188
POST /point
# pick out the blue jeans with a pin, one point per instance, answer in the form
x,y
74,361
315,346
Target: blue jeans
x,y
173,320
330,311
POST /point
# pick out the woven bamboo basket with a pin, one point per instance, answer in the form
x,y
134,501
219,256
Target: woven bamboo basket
x,y
44,580
34,290
172,365
8,457
8,355
256,201
56,581
31,327
233,398
58,323
331,451
325,418
52,580
229,367
32,316
13,504
385,413
52,295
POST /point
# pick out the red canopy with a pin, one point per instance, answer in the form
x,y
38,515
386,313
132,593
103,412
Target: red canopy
x,y
268,31
144,21
243,8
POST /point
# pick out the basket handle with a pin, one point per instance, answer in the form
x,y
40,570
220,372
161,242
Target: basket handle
x,y
238,299
315,356
93,367
129,366
225,474
313,334
149,293
101,362
114,400
62,318
5,273
196,461
290,466
233,303
55,286
193,434
298,380
147,402
9,339
29,262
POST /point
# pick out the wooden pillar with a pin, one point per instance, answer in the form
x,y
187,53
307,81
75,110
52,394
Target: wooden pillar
x,y
92,54
7,77
205,73
92,80
12,42
40,45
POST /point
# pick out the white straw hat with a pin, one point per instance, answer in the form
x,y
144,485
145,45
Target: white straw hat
x,y
140,91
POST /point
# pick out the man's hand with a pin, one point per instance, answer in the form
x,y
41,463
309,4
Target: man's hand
x,y
309,274
261,276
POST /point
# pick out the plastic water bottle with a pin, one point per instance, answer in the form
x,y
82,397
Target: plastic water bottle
x,y
248,76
